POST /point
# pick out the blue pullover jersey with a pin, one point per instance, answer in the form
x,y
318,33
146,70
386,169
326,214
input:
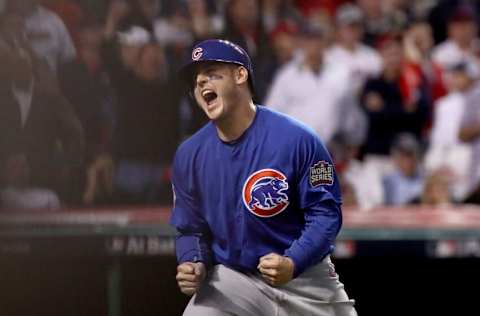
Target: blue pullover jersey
x,y
272,190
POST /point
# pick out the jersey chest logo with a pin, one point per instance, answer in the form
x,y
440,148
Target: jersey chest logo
x,y
264,193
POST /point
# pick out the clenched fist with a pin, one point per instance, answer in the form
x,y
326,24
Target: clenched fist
x,y
190,276
276,269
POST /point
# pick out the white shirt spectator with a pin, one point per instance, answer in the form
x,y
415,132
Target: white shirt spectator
x,y
446,120
471,116
49,38
364,62
449,54
445,149
366,183
315,99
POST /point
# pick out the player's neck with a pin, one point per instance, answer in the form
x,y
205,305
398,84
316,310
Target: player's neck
x,y
233,127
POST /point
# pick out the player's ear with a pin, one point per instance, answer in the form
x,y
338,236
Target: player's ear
x,y
241,75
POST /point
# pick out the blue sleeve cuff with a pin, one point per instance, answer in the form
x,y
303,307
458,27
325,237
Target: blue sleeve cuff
x,y
302,261
192,248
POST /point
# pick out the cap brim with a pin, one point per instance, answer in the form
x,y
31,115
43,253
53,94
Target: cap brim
x,y
187,71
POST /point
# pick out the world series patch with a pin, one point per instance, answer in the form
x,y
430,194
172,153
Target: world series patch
x,y
321,173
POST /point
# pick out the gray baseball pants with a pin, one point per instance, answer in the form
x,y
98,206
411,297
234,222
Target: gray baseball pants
x,y
316,292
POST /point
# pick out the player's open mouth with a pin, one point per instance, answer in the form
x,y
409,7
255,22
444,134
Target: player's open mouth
x,y
209,96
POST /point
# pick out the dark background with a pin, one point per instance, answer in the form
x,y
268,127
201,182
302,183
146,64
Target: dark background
x,y
403,284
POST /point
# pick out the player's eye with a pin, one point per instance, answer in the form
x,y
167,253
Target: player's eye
x,y
214,76
205,78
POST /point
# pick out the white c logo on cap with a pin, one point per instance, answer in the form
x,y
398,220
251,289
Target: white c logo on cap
x,y
197,53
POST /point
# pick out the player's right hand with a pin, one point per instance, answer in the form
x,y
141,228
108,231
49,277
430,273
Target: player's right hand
x,y
190,276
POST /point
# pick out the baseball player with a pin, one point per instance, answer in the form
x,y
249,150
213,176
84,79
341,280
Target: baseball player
x,y
257,202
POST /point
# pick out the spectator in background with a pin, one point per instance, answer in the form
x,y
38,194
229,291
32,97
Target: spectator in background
x,y
363,187
149,9
117,10
18,194
314,92
419,67
146,127
124,13
93,101
274,12
462,43
69,11
440,11
445,150
363,62
401,12
178,28
389,108
436,192
45,32
378,22
284,46
283,42
121,53
172,23
470,133
405,183
203,23
243,26
131,42
13,38
39,124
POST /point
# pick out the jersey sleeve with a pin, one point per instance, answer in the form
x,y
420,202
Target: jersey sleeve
x,y
192,241
319,199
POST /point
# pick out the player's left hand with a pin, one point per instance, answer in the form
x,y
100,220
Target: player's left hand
x,y
276,269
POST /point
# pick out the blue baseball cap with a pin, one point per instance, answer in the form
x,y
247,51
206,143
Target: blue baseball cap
x,y
217,50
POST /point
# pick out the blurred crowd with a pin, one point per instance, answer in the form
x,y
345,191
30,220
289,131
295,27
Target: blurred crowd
x,y
92,109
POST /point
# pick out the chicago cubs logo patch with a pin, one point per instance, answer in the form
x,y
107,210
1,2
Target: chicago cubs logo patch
x,y
321,173
264,193
197,53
